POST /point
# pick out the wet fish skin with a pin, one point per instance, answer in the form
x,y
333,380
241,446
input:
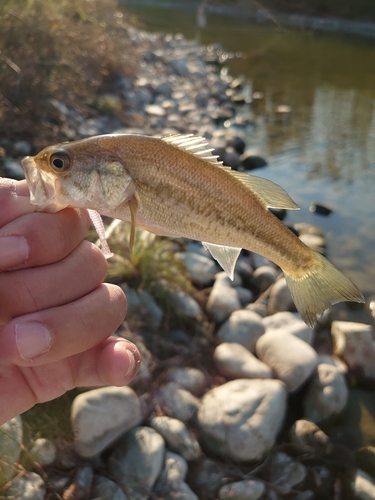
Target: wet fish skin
x,y
175,187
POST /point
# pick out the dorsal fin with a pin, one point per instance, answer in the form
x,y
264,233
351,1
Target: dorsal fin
x,y
272,195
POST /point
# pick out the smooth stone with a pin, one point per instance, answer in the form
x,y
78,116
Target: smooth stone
x,y
235,361
334,361
308,436
237,143
81,486
365,459
155,110
43,451
105,489
191,379
11,437
292,359
186,305
153,310
244,294
259,308
171,484
251,160
137,461
223,299
243,327
240,420
177,402
202,269
207,476
363,486
280,298
177,436
242,490
319,208
13,169
265,276
288,322
231,159
314,241
354,343
327,394
29,486
286,473
101,415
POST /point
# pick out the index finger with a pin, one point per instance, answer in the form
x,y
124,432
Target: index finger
x,y
14,200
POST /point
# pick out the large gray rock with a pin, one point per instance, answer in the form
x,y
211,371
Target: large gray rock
x,y
354,343
243,327
177,436
100,416
327,394
247,489
289,322
223,299
171,484
289,357
11,436
137,461
191,379
286,473
29,486
177,402
235,361
240,420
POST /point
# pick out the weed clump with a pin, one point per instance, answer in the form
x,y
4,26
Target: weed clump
x,y
71,50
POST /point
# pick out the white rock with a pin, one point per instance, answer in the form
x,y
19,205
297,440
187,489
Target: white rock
x,y
286,473
290,323
308,436
177,402
354,343
243,327
29,486
202,269
11,436
177,436
43,451
171,485
280,298
245,295
240,420
327,394
363,486
100,416
242,490
292,359
223,299
137,461
265,276
105,489
235,361
191,379
334,361
186,305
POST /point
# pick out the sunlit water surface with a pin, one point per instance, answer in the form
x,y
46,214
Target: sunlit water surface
x,y
326,151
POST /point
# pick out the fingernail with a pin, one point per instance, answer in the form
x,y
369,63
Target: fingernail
x,y
32,339
134,359
14,251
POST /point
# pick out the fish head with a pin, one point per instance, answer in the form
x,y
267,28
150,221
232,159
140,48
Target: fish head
x,y
79,174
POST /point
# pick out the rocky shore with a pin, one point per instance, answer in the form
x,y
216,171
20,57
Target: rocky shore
x,y
242,412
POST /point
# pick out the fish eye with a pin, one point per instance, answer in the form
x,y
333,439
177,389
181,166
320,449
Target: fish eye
x,y
60,161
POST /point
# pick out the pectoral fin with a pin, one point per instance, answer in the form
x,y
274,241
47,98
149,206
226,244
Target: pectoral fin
x,y
133,206
226,256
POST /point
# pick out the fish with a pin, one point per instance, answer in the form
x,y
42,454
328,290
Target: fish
x,y
174,186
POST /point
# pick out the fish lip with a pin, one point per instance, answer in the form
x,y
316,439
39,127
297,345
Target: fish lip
x,y
40,184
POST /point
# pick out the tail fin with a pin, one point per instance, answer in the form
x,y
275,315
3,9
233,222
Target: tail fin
x,y
322,286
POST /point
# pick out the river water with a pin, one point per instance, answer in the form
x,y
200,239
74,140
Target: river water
x,y
325,152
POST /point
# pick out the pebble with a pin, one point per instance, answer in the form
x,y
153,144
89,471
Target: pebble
x,y
43,451
207,476
177,436
288,322
240,420
292,359
308,436
29,486
243,327
81,486
100,416
153,311
223,299
11,437
137,461
177,402
354,344
251,160
365,459
327,394
235,361
242,490
286,473
280,298
191,379
265,276
363,486
171,484
186,305
202,269
105,489
22,148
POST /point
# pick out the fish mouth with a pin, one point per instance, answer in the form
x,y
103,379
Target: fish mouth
x,y
41,186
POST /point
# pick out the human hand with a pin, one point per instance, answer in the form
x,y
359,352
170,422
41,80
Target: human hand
x,y
56,315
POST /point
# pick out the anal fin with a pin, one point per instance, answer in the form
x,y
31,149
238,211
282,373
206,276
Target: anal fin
x,y
226,256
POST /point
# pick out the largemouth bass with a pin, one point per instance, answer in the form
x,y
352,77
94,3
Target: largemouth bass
x,y
174,187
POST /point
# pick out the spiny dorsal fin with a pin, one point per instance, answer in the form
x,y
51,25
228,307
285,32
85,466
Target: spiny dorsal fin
x,y
272,195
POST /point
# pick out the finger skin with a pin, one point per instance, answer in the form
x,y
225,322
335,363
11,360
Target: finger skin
x,y
14,200
30,290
